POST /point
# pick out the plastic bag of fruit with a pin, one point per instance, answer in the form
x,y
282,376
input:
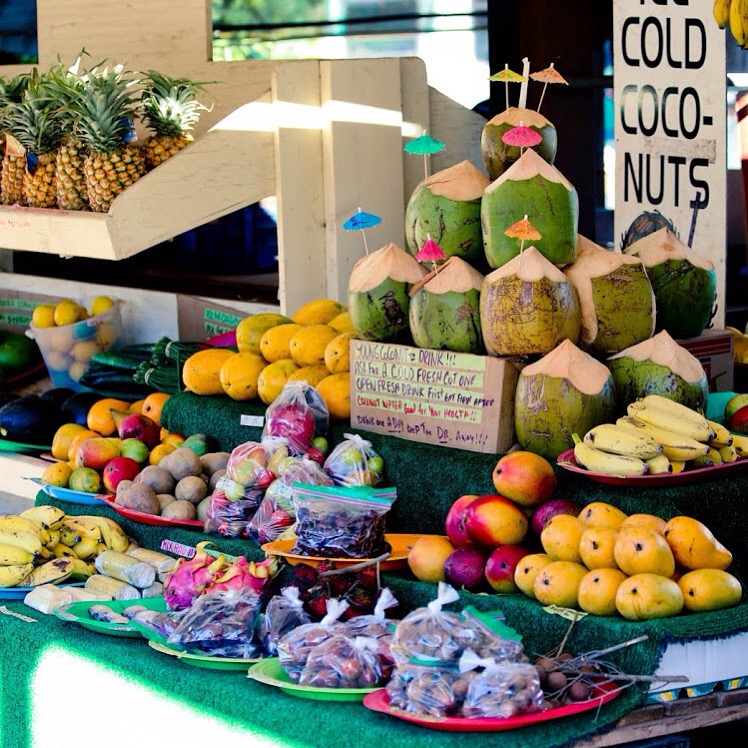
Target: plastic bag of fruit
x,y
297,414
342,521
284,613
239,492
294,647
221,624
376,624
354,462
276,515
501,689
343,662
428,690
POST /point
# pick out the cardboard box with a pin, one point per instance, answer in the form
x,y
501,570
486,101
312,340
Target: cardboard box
x,y
714,349
16,308
199,320
439,397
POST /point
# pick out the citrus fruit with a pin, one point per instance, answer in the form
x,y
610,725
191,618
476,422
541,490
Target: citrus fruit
x,y
58,474
101,304
85,479
67,312
44,316
153,405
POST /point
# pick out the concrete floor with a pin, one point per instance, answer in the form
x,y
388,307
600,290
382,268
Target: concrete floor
x,y
11,504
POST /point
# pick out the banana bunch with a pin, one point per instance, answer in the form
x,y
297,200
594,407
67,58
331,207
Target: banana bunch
x,y
734,13
657,436
45,546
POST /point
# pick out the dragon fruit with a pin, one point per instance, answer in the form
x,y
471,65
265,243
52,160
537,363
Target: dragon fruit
x,y
191,578
243,574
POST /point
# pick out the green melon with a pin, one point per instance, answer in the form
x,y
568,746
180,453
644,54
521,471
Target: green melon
x,y
615,296
445,309
659,366
378,289
498,156
446,207
527,307
684,283
566,392
534,188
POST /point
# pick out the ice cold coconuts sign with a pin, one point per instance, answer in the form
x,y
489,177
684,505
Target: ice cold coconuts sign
x,y
670,110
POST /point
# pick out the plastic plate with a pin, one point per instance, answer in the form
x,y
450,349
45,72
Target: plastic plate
x,y
271,673
401,544
18,593
153,519
379,701
567,461
68,494
19,447
204,661
78,613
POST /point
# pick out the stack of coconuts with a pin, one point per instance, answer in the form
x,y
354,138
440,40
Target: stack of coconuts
x,y
579,320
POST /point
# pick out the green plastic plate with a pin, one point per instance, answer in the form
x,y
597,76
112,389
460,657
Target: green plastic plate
x,y
78,613
8,446
271,673
204,661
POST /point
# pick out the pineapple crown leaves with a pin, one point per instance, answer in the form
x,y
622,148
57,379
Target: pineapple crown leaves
x,y
169,105
12,91
36,121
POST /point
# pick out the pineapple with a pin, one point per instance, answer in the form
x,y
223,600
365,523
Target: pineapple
x,y
14,160
103,109
170,109
36,124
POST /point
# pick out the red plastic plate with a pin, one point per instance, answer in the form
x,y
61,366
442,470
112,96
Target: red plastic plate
x,y
379,701
153,519
567,461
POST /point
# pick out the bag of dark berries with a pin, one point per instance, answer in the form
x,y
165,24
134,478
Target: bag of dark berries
x,y
341,522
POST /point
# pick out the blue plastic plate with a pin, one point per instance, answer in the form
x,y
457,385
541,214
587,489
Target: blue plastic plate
x,y
18,593
68,494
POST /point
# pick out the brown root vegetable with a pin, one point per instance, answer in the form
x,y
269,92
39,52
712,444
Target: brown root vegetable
x,y
192,489
158,478
215,478
214,461
164,499
181,463
140,498
180,510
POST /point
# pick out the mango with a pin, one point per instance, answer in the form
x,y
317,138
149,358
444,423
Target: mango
x,y
639,550
643,597
63,438
596,548
709,589
597,591
558,584
527,571
694,546
427,556
647,520
561,537
58,474
600,514
96,452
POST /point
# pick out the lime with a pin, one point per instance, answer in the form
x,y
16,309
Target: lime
x,y
375,464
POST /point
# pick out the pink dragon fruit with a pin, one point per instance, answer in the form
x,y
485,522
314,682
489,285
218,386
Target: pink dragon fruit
x,y
243,574
191,578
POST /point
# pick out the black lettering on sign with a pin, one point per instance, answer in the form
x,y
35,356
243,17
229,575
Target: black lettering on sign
x,y
627,128
630,172
677,162
699,184
624,42
694,94
697,25
651,23
652,94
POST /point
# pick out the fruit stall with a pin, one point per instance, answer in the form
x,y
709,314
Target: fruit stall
x,y
474,474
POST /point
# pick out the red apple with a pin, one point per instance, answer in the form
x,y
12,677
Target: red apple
x,y
492,520
501,565
546,512
465,567
119,469
455,522
525,478
137,426
739,420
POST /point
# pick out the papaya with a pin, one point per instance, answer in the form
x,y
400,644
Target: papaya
x,y
318,312
308,345
312,375
275,342
335,390
250,330
202,371
337,353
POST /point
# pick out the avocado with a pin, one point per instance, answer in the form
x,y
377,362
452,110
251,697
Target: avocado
x,y
57,396
75,409
6,397
16,351
29,420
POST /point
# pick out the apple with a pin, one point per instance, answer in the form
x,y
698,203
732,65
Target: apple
x,y
733,405
136,426
119,469
501,566
492,520
455,522
525,478
739,420
293,421
465,567
548,510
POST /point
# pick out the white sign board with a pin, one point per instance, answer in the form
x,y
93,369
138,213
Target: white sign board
x,y
670,108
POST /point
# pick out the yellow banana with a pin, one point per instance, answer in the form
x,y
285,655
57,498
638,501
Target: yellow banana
x,y
738,21
86,528
604,462
52,572
45,554
611,438
12,576
721,12
675,446
69,535
678,465
715,456
702,461
48,516
87,548
54,539
17,523
659,465
81,570
25,540
111,533
722,437
13,555
675,417
61,551
728,453
740,445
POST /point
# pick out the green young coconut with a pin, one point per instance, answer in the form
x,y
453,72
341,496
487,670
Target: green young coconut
x,y
527,307
659,366
445,309
446,207
684,283
615,296
378,290
534,188
498,156
566,392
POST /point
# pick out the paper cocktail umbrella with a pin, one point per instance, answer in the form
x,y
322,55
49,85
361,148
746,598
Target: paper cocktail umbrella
x,y
360,221
507,76
549,75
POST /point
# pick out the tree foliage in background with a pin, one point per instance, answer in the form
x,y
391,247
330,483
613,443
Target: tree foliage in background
x,y
267,11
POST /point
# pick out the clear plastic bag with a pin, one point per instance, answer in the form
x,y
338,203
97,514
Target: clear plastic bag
x,y
343,662
297,414
354,462
294,648
494,639
500,689
284,613
375,625
433,634
221,624
342,522
433,691
277,513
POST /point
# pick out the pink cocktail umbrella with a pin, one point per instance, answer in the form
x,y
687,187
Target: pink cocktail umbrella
x,y
522,136
430,251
